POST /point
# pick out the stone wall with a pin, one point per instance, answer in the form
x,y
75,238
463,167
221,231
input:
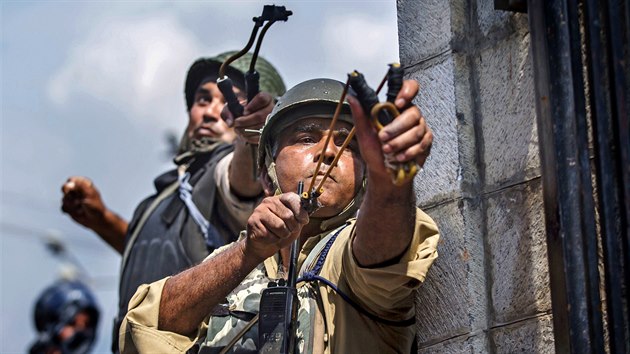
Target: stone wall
x,y
489,290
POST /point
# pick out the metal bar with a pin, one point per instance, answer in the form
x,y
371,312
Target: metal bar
x,y
559,107
619,51
622,67
592,279
602,80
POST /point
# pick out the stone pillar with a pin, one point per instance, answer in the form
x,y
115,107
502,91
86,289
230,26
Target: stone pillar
x,y
488,292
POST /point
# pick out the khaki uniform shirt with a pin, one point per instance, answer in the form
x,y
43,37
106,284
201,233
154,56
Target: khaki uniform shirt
x,y
337,327
238,210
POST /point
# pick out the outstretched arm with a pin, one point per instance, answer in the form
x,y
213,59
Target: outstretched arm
x,y
242,171
386,222
188,297
82,201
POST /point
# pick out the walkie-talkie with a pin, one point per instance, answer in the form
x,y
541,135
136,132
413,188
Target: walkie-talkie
x,y
278,305
277,322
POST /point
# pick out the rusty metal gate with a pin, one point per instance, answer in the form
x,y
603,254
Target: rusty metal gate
x,y
581,65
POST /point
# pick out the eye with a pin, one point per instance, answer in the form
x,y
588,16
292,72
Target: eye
x,y
307,140
203,100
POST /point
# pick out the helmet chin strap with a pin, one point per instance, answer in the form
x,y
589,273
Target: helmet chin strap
x,y
326,223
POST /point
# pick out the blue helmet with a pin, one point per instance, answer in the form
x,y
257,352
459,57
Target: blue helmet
x,y
58,308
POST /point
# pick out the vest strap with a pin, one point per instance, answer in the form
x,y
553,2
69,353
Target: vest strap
x,y
147,212
209,232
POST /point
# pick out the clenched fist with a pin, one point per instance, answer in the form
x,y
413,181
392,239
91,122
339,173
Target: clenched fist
x,y
274,224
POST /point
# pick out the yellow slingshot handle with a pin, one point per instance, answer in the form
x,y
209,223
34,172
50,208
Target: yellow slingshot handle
x,y
401,172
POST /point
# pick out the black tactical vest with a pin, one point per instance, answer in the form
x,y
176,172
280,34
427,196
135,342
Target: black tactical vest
x,y
170,241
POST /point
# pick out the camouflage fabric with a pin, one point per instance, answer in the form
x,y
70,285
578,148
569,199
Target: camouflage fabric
x,y
230,318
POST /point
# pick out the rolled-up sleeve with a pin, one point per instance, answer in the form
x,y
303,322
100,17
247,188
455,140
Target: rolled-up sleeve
x,y
139,330
386,290
238,209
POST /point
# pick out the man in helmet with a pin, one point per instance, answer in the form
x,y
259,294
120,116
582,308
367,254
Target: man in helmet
x,y
371,264
200,205
66,318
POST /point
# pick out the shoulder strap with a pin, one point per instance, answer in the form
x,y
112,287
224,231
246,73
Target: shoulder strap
x,y
308,262
145,215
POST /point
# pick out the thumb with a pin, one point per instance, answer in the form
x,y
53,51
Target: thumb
x,y
227,116
293,202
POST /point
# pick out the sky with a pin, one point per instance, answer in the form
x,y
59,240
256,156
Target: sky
x,y
93,88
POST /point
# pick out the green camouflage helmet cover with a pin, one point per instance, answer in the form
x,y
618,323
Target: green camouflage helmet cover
x,y
202,68
312,98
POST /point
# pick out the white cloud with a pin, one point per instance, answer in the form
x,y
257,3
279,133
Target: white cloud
x,y
134,64
361,42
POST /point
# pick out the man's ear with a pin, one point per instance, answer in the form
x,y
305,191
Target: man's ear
x,y
266,182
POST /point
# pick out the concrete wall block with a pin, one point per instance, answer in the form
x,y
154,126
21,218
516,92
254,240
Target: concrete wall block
x,y
464,110
531,336
492,21
519,271
440,178
460,19
424,29
506,104
488,18
473,344
452,301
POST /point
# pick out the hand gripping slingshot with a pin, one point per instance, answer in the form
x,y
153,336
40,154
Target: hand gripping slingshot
x,y
381,114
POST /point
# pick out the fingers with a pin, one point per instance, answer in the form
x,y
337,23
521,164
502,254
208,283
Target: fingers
x,y
425,148
261,101
79,193
227,116
77,184
408,137
254,116
407,93
286,217
275,223
292,202
72,190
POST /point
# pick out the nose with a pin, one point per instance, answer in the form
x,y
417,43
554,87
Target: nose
x,y
329,154
212,112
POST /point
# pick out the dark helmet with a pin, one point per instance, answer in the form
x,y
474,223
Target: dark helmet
x,y
58,307
202,68
312,98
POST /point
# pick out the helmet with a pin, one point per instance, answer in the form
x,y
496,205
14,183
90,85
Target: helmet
x,y
317,97
270,79
309,98
58,307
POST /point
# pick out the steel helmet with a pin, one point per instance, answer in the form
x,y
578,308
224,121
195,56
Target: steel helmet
x,y
309,98
56,308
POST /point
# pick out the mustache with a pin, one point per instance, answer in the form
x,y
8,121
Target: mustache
x,y
321,172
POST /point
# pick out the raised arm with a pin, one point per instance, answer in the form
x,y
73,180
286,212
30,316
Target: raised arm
x,y
82,201
386,221
242,172
188,297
